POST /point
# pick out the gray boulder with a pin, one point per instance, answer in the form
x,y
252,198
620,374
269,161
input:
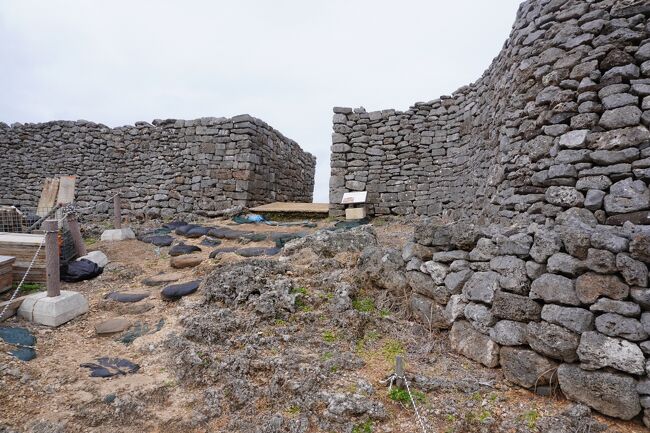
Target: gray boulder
x,y
621,117
564,196
606,240
627,195
546,243
481,287
467,341
526,368
612,394
428,312
480,317
509,333
565,264
640,246
599,351
512,273
454,281
438,271
515,307
601,261
484,250
605,305
455,308
615,325
575,319
554,288
423,284
553,341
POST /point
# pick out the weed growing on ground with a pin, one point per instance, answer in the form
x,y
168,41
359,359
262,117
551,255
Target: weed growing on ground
x,y
391,349
365,427
364,305
29,287
531,418
402,396
329,337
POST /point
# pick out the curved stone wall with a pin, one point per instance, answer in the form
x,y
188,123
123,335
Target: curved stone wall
x,y
167,168
565,100
535,180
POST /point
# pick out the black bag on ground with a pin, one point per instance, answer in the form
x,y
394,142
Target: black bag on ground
x,y
79,270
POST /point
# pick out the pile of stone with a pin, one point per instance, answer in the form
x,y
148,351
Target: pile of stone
x,y
557,304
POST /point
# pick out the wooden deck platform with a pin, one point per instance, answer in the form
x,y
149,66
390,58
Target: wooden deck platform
x,y
287,207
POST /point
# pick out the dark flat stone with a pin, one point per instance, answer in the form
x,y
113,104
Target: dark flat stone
x,y
638,218
174,224
159,241
20,336
24,353
254,251
177,291
126,297
109,367
210,242
226,233
224,250
180,249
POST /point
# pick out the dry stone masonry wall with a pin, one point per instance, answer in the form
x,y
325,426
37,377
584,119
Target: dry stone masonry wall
x,y
547,158
562,107
169,167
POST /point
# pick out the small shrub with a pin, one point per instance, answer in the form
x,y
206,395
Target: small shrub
x,y
329,337
392,348
300,290
364,305
365,427
531,418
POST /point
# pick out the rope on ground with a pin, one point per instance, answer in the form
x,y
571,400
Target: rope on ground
x,y
22,281
393,377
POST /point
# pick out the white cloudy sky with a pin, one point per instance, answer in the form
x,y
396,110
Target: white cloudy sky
x,y
287,62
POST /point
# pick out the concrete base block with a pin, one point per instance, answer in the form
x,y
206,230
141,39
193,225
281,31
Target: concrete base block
x,y
38,308
118,234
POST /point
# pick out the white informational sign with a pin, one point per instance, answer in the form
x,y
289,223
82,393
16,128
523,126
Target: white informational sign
x,y
354,197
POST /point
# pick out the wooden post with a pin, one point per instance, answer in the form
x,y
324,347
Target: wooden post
x,y
75,232
399,371
51,228
117,212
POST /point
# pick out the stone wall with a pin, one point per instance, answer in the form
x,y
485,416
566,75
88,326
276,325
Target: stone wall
x,y
564,105
534,179
166,168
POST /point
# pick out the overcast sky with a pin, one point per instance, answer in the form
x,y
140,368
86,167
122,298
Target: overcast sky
x,y
287,62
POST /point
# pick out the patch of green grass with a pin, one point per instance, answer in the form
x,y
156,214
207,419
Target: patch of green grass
x,y
484,415
280,322
531,418
402,396
392,348
29,287
364,305
300,290
365,427
90,241
384,313
327,356
329,337
293,410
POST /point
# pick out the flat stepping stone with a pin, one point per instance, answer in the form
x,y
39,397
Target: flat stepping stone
x,y
226,233
126,297
20,336
24,353
177,291
109,367
254,252
210,242
192,231
255,237
159,279
159,241
175,224
111,326
181,262
181,249
224,250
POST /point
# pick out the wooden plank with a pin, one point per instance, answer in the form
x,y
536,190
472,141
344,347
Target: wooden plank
x,y
13,307
66,189
23,246
287,207
48,196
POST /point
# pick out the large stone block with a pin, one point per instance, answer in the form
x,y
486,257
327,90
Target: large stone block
x,y
515,307
554,288
575,319
428,312
526,367
598,351
481,286
469,342
553,341
590,286
613,394
509,333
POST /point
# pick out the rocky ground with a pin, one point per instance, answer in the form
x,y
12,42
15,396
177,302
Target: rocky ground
x,y
303,341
